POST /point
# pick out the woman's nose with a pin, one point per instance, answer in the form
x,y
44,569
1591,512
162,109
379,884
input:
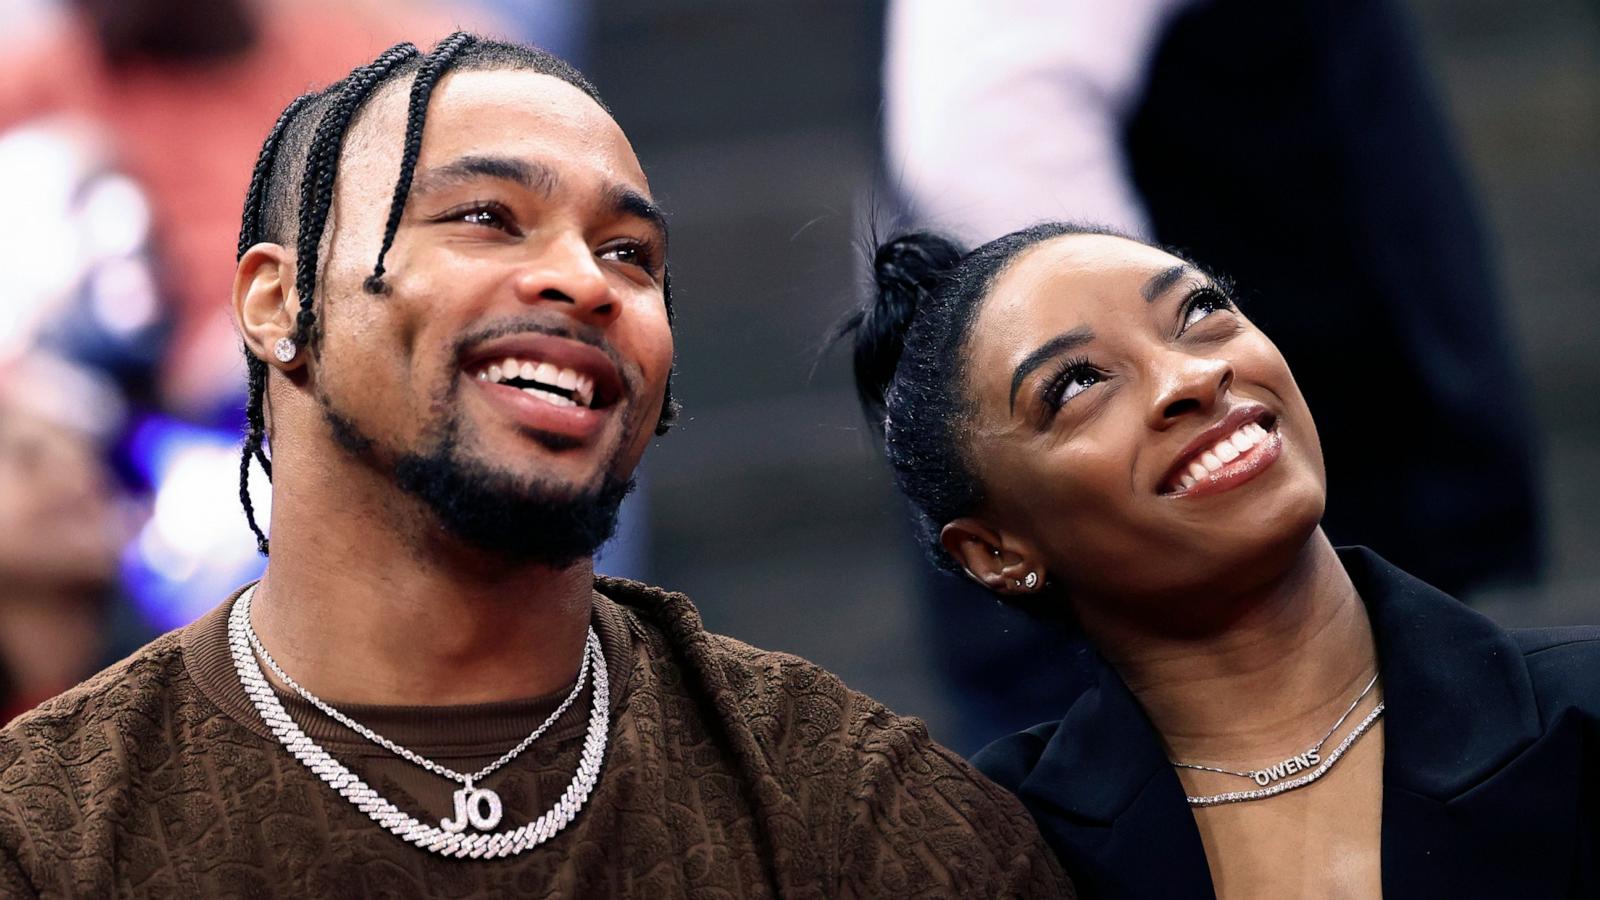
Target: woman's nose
x,y
1188,384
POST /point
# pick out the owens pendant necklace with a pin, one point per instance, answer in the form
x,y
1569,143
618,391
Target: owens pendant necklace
x,y
476,806
1271,779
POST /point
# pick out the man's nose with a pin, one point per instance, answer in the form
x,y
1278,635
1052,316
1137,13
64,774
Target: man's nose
x,y
566,272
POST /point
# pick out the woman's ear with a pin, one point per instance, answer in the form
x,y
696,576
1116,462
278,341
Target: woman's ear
x,y
993,559
265,305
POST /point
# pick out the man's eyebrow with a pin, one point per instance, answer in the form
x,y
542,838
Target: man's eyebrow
x,y
531,174
1158,283
625,201
1056,346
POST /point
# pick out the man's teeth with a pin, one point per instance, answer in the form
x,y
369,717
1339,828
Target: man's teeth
x,y
577,389
1226,451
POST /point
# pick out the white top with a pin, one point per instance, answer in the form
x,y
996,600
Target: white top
x,y
1003,113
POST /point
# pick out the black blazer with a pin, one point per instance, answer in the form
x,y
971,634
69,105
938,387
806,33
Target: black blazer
x,y
1491,770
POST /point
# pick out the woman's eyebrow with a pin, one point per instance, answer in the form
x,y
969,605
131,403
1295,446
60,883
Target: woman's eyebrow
x,y
1056,346
1161,281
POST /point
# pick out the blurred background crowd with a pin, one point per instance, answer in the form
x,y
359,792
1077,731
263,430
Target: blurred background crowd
x,y
1407,193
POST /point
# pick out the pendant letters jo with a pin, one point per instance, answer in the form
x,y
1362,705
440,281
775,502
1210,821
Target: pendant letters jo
x,y
480,806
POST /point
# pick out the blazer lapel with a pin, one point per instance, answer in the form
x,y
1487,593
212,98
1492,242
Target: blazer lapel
x,y
1106,797
1475,787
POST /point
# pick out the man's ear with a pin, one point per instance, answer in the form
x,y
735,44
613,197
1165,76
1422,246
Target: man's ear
x,y
999,562
265,305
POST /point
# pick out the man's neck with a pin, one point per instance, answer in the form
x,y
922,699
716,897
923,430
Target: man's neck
x,y
1298,651
362,613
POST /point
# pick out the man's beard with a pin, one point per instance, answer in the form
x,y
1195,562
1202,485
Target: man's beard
x,y
517,519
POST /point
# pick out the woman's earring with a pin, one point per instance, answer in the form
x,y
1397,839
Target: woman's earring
x,y
285,349
1031,581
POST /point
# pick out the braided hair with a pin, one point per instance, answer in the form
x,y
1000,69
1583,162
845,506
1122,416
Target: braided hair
x,y
291,191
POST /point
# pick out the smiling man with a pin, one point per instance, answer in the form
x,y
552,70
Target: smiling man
x,y
453,296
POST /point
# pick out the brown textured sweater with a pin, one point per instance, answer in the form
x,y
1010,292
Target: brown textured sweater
x,y
731,772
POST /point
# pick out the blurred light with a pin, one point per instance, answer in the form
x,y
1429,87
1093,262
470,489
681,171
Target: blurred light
x,y
66,393
122,296
115,216
195,548
68,217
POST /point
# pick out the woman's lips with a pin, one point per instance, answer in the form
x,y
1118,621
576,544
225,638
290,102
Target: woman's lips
x,y
1236,458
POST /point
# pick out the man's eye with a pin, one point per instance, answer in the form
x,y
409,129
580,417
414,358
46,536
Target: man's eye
x,y
487,217
628,254
631,253
484,214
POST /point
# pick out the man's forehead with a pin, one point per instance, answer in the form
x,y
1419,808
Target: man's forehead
x,y
503,112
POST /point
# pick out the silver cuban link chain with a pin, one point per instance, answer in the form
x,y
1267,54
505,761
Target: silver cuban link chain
x,y
477,806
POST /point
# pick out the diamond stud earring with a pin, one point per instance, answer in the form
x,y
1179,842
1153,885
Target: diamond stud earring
x,y
285,349
1031,581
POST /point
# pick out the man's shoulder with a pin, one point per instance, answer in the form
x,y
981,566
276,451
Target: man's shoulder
x,y
790,703
892,810
75,729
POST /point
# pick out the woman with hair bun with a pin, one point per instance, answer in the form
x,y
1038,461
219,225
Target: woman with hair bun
x,y
1089,427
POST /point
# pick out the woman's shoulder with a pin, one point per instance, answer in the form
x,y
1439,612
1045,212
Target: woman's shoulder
x,y
1009,760
1564,665
1576,641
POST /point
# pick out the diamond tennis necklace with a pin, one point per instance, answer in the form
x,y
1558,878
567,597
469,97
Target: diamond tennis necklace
x,y
1303,780
479,807
1271,778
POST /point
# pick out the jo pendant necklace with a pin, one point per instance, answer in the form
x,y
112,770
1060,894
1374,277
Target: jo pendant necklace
x,y
475,806
1275,779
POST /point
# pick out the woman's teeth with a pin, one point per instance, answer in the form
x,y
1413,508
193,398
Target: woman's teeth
x,y
546,381
1226,451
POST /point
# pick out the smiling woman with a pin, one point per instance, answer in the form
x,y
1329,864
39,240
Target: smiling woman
x,y
1091,428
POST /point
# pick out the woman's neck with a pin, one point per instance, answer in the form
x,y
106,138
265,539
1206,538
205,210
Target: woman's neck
x,y
1295,652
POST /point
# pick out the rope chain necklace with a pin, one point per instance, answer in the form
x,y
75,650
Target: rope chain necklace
x,y
477,806
1275,779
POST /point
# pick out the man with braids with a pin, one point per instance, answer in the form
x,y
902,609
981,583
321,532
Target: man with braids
x,y
453,296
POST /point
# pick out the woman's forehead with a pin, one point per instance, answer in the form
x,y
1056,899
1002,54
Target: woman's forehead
x,y
1075,273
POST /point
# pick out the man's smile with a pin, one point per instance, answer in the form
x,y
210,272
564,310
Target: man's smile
x,y
542,380
546,383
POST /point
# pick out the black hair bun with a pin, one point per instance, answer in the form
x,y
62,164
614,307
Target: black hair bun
x,y
906,270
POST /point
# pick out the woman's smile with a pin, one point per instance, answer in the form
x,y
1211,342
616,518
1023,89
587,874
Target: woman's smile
x,y
1241,445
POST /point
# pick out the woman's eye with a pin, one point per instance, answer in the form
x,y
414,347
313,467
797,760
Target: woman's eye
x,y
1073,379
1203,303
1078,384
